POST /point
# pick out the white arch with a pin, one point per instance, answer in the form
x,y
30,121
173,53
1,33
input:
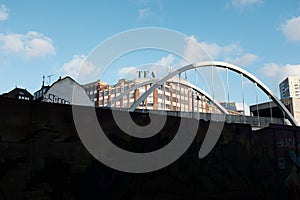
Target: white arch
x,y
229,66
154,81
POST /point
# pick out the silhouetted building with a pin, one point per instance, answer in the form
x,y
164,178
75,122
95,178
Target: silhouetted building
x,y
18,93
270,109
38,95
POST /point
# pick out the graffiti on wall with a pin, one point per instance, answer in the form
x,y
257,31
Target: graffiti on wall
x,y
52,98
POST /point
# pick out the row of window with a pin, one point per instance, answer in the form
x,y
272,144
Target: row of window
x,y
23,98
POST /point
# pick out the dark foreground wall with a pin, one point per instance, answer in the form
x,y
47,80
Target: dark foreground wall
x,y
42,157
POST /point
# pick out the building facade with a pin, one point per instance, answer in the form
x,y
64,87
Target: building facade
x,y
290,87
67,91
174,95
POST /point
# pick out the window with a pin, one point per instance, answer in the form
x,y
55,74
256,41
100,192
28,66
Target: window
x,y
131,95
160,96
126,87
168,98
118,90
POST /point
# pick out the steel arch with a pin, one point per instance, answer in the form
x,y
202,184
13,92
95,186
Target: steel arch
x,y
154,81
225,65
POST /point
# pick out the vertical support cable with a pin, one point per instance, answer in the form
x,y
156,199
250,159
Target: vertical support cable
x,y
179,92
227,82
192,101
243,94
197,93
257,111
212,82
196,70
270,104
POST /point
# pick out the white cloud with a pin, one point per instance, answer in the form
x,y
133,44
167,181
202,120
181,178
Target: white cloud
x,y
72,67
128,72
242,3
166,60
161,67
3,13
77,65
195,51
243,60
145,12
31,44
279,72
291,29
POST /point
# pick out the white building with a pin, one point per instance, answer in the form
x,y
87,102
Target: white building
x,y
67,91
290,87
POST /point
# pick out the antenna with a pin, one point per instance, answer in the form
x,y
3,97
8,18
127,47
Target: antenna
x,y
169,68
49,78
43,80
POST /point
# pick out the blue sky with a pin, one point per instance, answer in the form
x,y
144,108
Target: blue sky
x,y
54,37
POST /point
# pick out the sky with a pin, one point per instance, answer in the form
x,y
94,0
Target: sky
x,y
53,38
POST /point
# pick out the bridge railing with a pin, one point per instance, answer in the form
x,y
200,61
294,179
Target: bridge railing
x,y
251,120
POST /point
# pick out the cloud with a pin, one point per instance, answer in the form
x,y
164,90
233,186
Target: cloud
x,y
278,72
195,51
291,29
242,3
153,8
128,72
31,44
161,67
72,67
145,12
77,65
3,13
243,60
166,60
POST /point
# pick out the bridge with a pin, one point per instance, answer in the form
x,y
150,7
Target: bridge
x,y
222,113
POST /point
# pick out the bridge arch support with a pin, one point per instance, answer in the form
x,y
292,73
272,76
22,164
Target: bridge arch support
x,y
218,64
